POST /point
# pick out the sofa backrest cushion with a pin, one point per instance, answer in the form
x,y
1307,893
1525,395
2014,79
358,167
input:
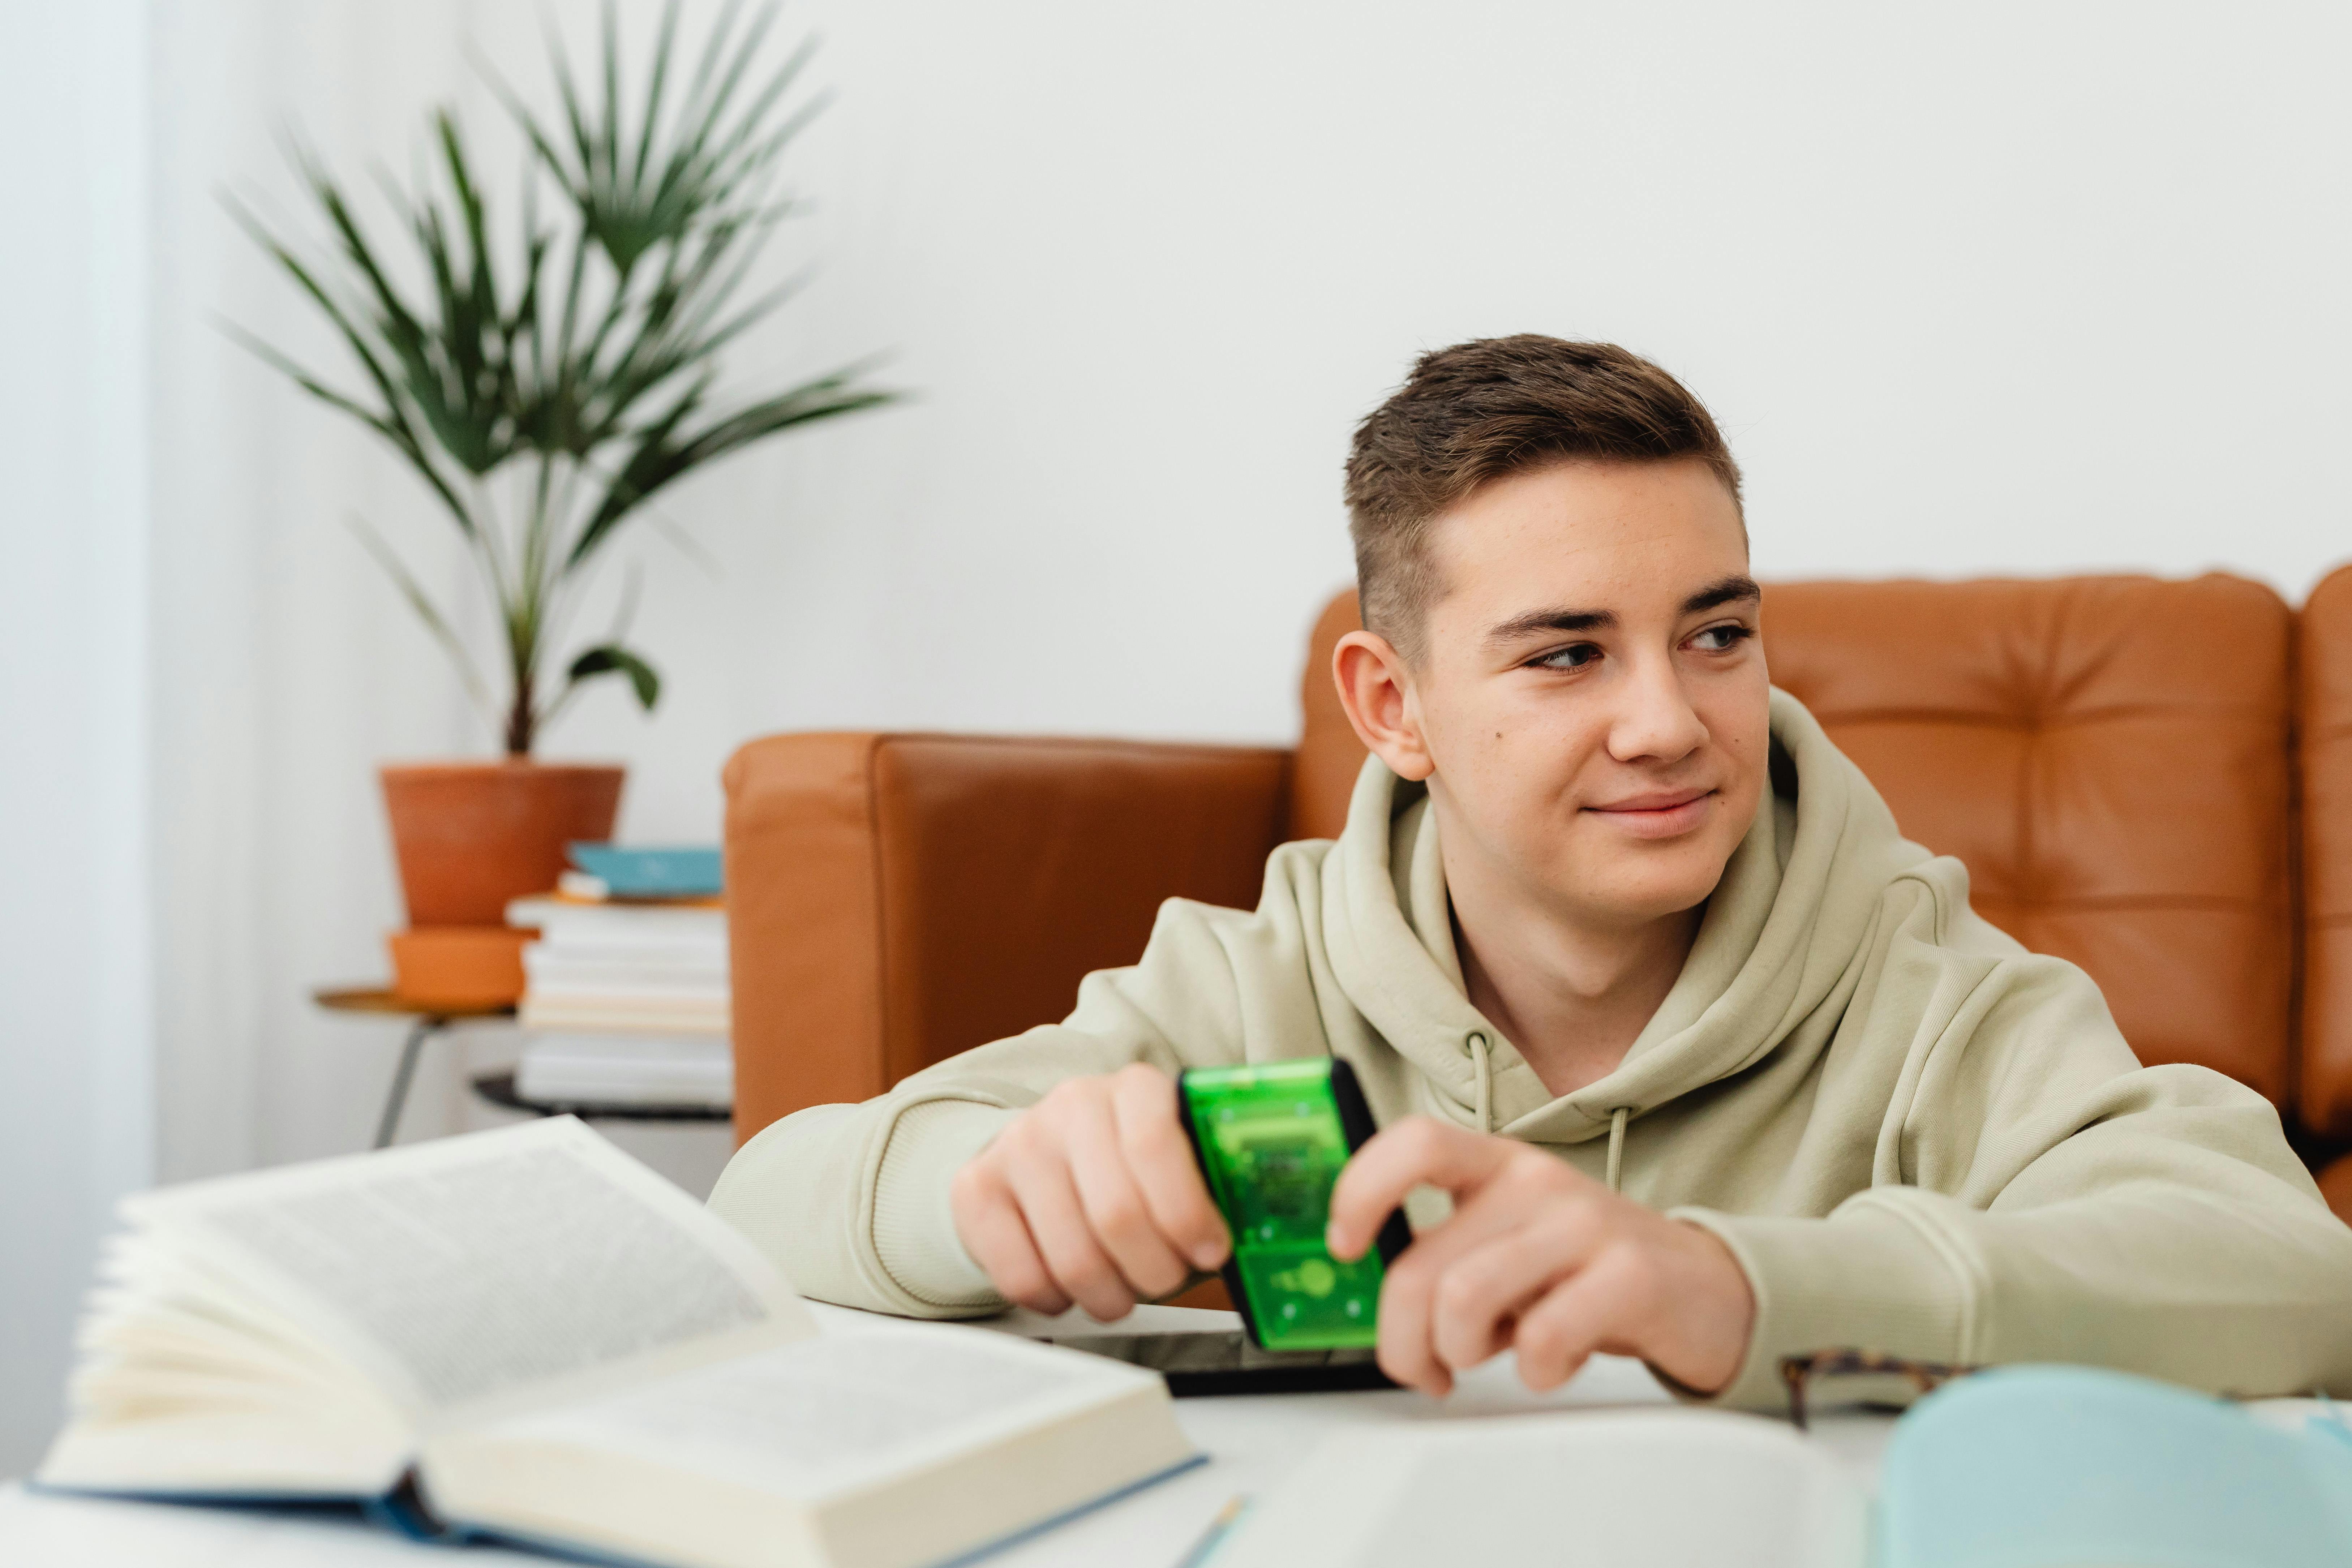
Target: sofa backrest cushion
x,y
893,900
2108,755
2326,669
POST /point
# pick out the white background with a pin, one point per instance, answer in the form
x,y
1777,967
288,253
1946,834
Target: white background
x,y
2000,289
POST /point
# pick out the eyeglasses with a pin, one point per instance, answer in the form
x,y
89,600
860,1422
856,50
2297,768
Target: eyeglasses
x,y
1799,1371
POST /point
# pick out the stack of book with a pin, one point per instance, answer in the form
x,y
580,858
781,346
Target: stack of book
x,y
626,996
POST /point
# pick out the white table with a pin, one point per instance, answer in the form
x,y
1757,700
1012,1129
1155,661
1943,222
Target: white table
x,y
1251,1444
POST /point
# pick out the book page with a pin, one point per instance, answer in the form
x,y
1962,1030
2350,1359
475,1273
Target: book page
x,y
475,1266
1604,1486
823,1416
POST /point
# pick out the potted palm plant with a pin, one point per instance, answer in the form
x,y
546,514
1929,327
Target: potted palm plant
x,y
544,380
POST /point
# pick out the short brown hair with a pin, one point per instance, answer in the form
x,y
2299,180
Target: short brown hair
x,y
1484,409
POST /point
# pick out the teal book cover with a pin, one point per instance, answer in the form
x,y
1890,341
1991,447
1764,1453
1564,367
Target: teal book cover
x,y
672,871
2042,1467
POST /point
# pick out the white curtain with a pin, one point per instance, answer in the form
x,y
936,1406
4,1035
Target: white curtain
x,y
75,1016
284,666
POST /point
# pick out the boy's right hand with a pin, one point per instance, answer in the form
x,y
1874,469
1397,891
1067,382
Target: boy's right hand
x,y
1092,1196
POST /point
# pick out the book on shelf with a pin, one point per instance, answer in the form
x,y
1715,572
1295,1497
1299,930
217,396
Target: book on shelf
x,y
582,925
602,1069
556,969
635,1013
651,968
524,1335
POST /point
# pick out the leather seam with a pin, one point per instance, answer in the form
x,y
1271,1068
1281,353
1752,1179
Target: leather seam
x,y
1176,749
883,1009
2252,713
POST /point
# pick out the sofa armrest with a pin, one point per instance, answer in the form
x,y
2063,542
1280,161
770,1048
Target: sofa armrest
x,y
894,899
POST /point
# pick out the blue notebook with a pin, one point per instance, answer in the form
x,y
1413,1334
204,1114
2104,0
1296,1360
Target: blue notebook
x,y
2040,1467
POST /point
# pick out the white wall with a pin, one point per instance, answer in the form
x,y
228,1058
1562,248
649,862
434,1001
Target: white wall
x,y
2022,289
75,1088
2005,288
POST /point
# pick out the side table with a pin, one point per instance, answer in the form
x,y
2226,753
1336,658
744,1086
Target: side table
x,y
498,1088
427,1022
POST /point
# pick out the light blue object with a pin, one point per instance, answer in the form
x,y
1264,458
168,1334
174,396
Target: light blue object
x,y
668,873
2053,1467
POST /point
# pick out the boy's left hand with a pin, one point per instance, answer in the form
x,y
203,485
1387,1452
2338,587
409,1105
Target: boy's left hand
x,y
1540,1258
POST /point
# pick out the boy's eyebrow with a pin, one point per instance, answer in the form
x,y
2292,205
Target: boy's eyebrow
x,y
1724,591
1534,620
1728,590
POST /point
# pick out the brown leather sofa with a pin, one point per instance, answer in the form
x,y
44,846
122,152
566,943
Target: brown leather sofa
x,y
2151,778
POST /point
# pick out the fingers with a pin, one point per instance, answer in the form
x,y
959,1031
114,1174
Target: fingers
x,y
1143,1104
1476,1304
1446,1303
1091,1196
1599,1305
1451,1301
1042,1185
1114,1209
1404,1349
1417,1151
989,1224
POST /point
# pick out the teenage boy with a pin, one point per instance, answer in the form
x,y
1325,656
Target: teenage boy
x,y
1714,1066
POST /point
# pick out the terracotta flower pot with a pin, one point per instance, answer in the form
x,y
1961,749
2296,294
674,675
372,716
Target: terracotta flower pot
x,y
470,837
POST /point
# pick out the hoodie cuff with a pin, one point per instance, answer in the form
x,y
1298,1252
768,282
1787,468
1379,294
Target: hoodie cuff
x,y
915,1235
1866,1278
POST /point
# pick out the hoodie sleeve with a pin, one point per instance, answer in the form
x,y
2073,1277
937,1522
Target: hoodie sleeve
x,y
2041,1196
851,1201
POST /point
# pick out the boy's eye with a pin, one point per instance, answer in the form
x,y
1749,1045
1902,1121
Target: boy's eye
x,y
1576,655
1717,639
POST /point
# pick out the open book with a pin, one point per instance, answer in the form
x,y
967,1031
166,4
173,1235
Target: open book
x,y
2031,1466
1637,1487
526,1334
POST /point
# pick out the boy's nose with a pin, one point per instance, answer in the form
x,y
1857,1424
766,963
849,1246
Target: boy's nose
x,y
1655,720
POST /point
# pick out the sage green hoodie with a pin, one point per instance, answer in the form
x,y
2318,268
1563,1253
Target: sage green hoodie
x,y
1916,1137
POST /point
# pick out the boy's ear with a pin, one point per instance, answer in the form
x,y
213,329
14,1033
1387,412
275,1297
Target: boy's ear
x,y
1376,689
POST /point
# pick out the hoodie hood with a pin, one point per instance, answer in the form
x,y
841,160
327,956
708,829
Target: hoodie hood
x,y
1796,904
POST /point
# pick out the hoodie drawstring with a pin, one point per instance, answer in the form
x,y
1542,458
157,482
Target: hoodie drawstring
x,y
1482,1067
1482,1071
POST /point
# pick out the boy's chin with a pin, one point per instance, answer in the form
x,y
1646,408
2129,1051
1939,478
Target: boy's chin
x,y
1644,890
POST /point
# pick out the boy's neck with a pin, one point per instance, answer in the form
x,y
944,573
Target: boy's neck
x,y
1572,997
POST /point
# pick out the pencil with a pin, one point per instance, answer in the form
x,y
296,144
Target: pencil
x,y
1217,1530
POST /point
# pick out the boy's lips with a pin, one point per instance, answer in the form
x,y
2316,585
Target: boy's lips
x,y
1657,814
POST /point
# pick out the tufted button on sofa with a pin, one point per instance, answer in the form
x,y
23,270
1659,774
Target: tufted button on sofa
x,y
2150,778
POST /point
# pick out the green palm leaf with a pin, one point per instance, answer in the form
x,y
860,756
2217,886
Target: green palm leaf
x,y
587,348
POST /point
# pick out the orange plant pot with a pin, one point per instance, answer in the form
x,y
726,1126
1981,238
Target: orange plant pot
x,y
458,966
471,836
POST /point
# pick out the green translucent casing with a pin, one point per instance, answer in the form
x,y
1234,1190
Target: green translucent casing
x,y
1271,1139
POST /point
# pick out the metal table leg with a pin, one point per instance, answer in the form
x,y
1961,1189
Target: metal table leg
x,y
419,1032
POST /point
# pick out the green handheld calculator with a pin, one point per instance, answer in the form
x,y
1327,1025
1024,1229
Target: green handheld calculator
x,y
1271,1139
